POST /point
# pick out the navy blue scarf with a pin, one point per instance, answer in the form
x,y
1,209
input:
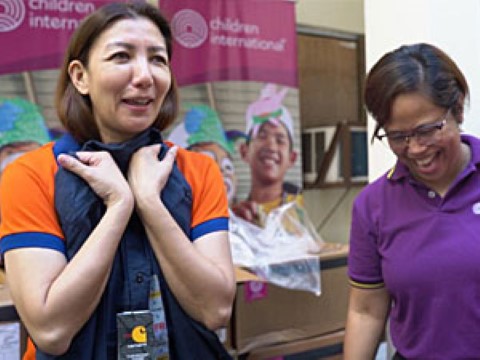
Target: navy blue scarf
x,y
79,210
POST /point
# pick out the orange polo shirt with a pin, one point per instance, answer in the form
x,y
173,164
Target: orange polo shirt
x,y
28,211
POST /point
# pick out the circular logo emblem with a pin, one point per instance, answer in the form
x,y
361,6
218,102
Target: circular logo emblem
x,y
476,208
12,13
189,28
256,286
139,334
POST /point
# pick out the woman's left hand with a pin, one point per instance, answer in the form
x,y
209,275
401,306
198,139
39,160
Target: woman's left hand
x,y
147,175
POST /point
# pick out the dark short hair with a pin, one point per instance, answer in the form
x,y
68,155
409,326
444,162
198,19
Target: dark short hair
x,y
421,68
74,109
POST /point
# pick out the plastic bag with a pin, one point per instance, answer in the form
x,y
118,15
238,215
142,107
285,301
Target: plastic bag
x,y
284,252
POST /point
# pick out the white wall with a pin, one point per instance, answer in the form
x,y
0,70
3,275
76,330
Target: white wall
x,y
450,25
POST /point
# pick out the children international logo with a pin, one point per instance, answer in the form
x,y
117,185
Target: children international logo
x,y
12,14
54,15
189,28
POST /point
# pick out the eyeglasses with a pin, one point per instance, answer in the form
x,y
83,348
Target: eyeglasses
x,y
424,134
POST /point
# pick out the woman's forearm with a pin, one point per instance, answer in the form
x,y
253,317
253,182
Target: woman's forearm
x,y
57,298
367,313
362,336
200,274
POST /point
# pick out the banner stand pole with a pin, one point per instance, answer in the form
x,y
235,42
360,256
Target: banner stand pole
x,y
29,86
211,97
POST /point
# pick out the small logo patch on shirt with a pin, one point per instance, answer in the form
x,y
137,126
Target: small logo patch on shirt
x,y
476,208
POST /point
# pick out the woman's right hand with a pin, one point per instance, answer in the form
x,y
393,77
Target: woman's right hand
x,y
101,173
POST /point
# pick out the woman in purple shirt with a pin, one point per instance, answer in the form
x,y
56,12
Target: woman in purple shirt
x,y
415,234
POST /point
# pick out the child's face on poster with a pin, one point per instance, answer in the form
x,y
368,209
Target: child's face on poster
x,y
269,153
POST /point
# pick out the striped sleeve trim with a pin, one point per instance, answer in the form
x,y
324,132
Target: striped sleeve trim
x,y
362,285
218,224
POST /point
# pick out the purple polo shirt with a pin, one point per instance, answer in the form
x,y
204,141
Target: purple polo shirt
x,y
426,251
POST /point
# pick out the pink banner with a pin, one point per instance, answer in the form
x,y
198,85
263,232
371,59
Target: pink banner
x,y
249,40
34,33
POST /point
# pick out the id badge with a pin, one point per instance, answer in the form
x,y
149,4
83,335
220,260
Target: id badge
x,y
135,335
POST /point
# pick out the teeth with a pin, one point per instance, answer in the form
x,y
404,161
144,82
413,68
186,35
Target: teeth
x,y
268,158
269,161
138,102
425,162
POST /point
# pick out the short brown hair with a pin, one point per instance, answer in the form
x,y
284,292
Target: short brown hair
x,y
420,68
74,109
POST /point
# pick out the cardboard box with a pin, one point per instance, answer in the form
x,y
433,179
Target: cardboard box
x,y
327,347
279,315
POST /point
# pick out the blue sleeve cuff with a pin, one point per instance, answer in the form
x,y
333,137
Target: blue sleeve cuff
x,y
31,239
218,224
